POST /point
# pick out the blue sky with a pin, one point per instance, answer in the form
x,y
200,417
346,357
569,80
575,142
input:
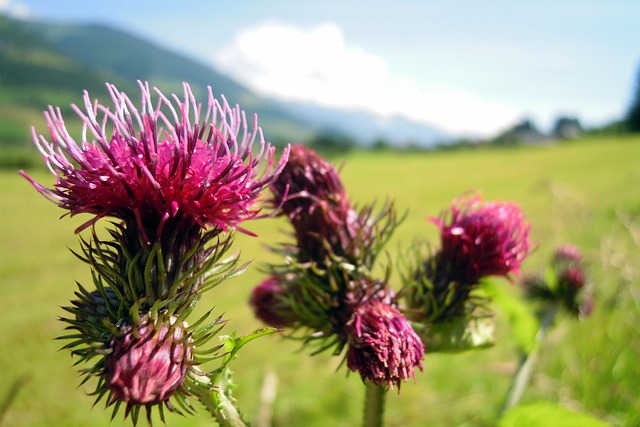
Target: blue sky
x,y
467,66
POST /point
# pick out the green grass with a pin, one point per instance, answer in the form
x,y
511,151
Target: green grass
x,y
586,192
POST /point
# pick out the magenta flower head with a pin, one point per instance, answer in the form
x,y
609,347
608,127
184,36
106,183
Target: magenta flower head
x,y
154,170
482,239
270,302
477,239
382,345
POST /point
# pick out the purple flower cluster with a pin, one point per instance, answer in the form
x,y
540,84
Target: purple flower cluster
x,y
325,289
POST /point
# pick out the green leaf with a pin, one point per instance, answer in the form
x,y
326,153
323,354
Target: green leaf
x,y
223,403
233,343
460,335
545,414
524,325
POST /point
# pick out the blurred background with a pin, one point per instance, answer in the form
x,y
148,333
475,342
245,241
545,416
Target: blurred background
x,y
535,102
403,73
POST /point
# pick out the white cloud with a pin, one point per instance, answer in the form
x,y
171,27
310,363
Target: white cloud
x,y
317,64
15,9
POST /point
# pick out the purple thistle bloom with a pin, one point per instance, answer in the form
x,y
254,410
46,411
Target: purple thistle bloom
x,y
147,366
482,239
151,169
383,347
567,254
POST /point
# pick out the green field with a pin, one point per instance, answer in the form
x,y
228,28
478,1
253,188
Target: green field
x,y
585,192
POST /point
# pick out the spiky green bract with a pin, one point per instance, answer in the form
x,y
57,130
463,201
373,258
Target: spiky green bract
x,y
170,274
563,283
431,297
449,316
137,285
140,360
316,298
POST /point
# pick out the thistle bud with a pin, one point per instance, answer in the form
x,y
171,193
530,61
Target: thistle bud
x,y
147,365
312,196
478,239
268,302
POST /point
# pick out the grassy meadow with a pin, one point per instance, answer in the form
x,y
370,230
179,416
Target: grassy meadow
x,y
584,192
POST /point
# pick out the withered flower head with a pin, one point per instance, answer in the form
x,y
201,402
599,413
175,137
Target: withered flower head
x,y
382,345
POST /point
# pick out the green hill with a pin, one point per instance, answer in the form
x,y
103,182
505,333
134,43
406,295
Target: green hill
x,y
45,63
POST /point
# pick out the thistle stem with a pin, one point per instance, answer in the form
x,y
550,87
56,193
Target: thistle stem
x,y
374,405
527,362
220,406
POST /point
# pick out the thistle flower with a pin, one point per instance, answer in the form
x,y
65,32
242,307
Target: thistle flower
x,y
564,283
383,347
174,181
481,239
154,170
477,239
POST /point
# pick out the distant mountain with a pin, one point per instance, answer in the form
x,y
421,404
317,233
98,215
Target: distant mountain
x,y
45,63
365,127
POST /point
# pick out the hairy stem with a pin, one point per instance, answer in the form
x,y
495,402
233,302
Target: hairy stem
x,y
219,405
